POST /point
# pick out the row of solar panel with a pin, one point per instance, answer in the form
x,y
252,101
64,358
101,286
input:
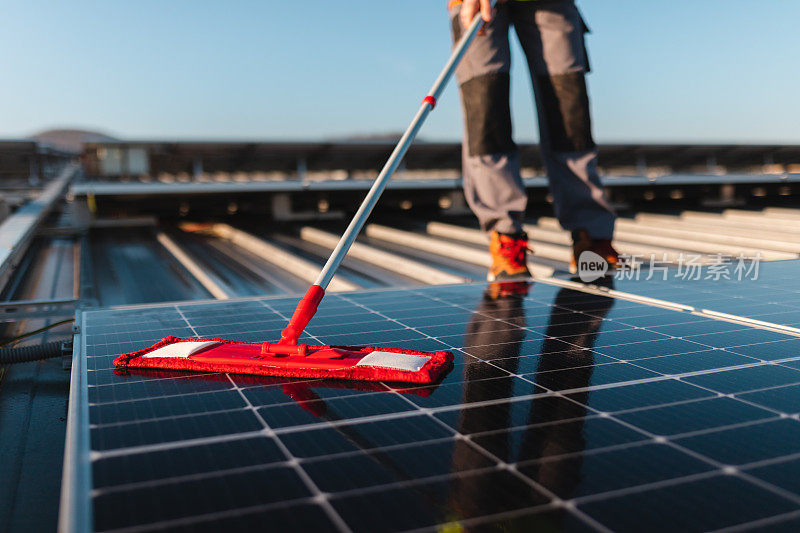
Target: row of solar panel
x,y
565,410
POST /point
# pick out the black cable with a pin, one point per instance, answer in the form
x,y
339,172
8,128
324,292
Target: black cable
x,y
23,354
36,331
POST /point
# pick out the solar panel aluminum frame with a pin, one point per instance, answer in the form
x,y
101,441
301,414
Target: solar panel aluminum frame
x,y
75,509
592,288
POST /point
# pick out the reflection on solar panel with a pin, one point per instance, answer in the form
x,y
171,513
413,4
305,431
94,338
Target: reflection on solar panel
x,y
565,411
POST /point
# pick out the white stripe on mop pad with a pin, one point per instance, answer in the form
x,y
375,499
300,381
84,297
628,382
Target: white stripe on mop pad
x,y
180,350
396,361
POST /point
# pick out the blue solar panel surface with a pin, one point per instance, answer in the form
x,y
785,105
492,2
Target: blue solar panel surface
x,y
565,411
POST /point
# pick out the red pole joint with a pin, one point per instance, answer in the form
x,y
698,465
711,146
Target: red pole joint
x,y
305,310
431,100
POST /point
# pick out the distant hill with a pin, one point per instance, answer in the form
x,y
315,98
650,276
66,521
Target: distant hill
x,y
70,140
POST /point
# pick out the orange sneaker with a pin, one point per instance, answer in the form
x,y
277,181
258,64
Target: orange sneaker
x,y
509,257
581,242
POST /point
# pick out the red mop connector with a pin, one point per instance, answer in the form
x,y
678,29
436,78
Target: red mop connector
x,y
430,100
268,348
302,314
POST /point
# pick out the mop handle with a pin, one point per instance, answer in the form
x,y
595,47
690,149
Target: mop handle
x,y
428,103
307,306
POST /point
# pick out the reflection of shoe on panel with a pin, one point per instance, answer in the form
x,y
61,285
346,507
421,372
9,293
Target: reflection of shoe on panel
x,y
509,257
581,242
503,289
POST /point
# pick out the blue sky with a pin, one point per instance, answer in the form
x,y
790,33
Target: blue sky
x,y
684,70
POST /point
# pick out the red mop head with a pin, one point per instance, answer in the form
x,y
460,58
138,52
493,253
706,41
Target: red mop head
x,y
286,358
306,360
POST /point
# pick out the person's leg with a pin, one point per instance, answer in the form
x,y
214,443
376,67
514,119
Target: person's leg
x,y
492,183
551,34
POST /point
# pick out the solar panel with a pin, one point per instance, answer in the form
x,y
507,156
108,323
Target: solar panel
x,y
564,411
768,291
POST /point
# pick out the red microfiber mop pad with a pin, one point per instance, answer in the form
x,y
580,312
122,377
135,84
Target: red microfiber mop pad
x,y
311,361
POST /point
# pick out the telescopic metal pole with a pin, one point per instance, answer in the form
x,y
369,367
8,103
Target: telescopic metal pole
x,y
307,306
428,103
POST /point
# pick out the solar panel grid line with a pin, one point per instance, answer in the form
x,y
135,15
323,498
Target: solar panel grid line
x,y
726,469
767,365
700,400
646,486
199,519
483,520
678,378
141,388
690,335
681,376
558,505
759,414
391,390
770,461
717,429
717,394
318,496
188,477
569,455
437,410
556,500
596,387
392,416
768,486
164,418
410,483
649,408
276,431
480,434
502,464
342,455
145,448
672,404
764,522
697,372
701,457
181,395
774,390
735,367
600,451
187,377
748,453
560,369
430,412
383,448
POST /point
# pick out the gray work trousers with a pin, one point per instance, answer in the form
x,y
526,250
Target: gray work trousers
x,y
552,36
